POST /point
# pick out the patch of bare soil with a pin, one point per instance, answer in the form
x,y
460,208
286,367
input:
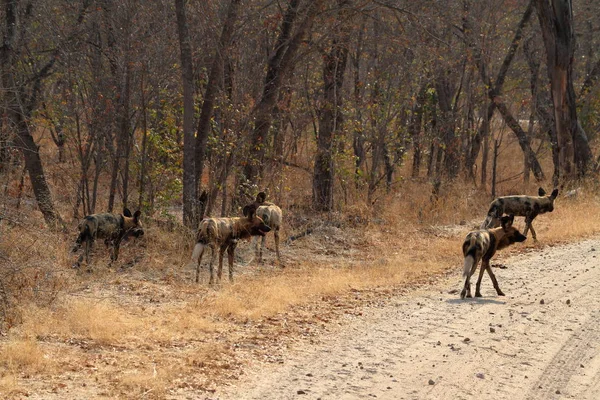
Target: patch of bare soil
x,y
541,341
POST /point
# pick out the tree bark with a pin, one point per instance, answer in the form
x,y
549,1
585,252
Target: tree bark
x,y
495,90
556,22
279,65
214,81
331,119
414,129
330,123
189,141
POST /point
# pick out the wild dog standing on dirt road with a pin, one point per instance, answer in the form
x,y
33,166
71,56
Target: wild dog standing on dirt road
x,y
272,216
482,245
114,228
224,233
522,206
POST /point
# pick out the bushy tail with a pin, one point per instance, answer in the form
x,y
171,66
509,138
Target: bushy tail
x,y
469,260
196,253
470,247
208,232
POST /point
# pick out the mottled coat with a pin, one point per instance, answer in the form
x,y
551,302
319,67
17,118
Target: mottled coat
x,y
481,246
272,216
113,228
224,233
522,206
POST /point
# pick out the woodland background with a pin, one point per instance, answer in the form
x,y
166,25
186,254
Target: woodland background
x,y
383,129
146,104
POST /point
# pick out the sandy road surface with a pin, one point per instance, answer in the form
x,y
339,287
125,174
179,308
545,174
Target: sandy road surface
x,y
431,345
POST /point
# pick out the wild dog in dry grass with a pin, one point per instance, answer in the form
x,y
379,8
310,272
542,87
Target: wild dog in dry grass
x,y
272,216
224,233
482,245
113,228
522,206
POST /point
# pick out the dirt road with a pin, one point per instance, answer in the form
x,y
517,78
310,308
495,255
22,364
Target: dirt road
x,y
541,341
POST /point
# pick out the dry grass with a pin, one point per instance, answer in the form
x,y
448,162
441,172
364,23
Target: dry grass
x,y
144,329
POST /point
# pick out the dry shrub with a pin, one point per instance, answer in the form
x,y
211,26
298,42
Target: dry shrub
x,y
33,266
23,356
151,382
9,386
188,322
95,320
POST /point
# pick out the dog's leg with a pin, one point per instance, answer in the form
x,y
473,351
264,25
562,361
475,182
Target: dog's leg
x,y
276,234
89,243
212,261
77,263
533,235
470,267
528,226
263,240
197,257
478,285
493,278
221,254
466,288
114,255
230,254
466,292
255,244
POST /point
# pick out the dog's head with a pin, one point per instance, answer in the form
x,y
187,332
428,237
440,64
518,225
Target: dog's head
x,y
256,226
511,234
549,199
261,197
132,224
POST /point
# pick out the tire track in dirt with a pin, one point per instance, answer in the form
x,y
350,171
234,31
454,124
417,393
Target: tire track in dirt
x,y
431,345
571,357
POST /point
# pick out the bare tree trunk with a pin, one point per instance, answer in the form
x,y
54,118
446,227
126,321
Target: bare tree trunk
x,y
214,81
447,126
143,161
189,141
330,122
495,89
35,168
22,99
414,128
485,134
556,22
358,139
497,144
278,67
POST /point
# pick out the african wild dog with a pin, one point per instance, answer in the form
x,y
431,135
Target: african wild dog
x,y
482,245
272,216
113,228
522,206
224,233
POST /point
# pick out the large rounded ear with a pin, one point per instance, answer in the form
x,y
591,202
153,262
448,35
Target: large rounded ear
x,y
137,214
126,212
507,221
541,192
249,211
554,194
